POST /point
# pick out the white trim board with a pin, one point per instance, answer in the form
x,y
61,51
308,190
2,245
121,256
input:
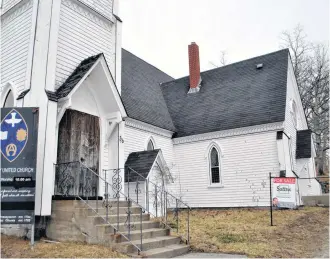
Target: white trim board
x,y
231,132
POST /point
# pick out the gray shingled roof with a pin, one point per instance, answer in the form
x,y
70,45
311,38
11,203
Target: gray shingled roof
x,y
141,93
76,76
304,144
22,94
141,162
232,96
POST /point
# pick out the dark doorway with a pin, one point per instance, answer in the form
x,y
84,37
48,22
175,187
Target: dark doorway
x,y
78,141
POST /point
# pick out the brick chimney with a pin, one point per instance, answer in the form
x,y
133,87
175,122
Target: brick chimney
x,y
194,69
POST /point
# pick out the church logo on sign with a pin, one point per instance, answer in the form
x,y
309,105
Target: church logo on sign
x,y
14,135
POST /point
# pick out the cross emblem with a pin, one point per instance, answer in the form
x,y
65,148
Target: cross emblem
x,y
13,120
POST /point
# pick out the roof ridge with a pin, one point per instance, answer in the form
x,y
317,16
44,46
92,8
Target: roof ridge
x,y
241,61
145,151
148,63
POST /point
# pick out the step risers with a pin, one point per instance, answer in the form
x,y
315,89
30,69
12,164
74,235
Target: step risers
x,y
112,211
102,203
146,234
72,204
109,238
147,244
100,219
166,252
85,223
108,229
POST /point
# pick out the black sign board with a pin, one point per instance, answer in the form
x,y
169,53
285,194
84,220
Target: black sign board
x,y
19,132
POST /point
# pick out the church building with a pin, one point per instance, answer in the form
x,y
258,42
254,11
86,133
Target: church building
x,y
216,134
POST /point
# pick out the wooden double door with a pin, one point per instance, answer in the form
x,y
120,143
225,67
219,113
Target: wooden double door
x,y
78,155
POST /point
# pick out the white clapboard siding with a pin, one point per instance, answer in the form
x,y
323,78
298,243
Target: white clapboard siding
x,y
102,6
245,165
306,169
302,167
293,95
15,41
137,139
82,33
289,125
7,4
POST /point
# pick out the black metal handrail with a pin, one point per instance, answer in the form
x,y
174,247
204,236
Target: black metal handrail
x,y
164,195
116,186
106,220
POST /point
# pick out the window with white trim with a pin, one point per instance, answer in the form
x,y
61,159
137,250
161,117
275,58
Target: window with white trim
x,y
150,145
9,100
214,166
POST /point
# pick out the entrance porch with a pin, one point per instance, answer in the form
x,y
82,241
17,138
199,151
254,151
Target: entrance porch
x,y
89,132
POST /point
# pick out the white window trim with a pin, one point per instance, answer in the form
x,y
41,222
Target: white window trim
x,y
208,158
153,142
4,92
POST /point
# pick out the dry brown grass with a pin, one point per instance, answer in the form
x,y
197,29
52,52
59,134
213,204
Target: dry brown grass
x,y
298,233
14,247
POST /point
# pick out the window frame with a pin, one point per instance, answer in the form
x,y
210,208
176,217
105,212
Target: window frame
x,y
152,140
152,144
219,153
7,90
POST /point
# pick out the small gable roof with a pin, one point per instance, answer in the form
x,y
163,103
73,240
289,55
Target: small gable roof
x,y
76,76
233,96
141,93
141,162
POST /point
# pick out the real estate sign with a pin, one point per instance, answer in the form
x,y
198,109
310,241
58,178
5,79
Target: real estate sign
x,y
284,192
19,129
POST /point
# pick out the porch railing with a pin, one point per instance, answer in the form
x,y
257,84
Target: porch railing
x,y
155,199
69,184
78,180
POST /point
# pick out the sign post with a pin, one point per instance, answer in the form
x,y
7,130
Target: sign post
x,y
19,131
271,205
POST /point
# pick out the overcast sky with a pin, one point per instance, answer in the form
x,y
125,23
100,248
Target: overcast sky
x,y
159,31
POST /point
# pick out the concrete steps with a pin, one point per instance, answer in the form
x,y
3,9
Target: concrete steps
x,y
111,211
123,228
166,251
99,219
147,244
146,233
77,221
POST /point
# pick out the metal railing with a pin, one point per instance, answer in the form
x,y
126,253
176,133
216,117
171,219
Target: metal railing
x,y
159,202
77,180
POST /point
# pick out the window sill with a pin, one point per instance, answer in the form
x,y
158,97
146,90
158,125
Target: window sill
x,y
215,186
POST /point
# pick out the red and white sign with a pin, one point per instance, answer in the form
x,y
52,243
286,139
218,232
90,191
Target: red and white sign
x,y
284,192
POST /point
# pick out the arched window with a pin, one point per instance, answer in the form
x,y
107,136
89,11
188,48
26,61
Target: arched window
x,y
214,166
150,145
294,113
9,99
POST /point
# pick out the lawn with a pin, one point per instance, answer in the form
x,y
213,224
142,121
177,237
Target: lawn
x,y
14,247
297,233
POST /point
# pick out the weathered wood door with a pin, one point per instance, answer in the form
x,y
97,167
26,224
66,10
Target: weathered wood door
x,y
78,140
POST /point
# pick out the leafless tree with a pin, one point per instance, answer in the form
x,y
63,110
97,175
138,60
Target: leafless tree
x,y
222,61
311,68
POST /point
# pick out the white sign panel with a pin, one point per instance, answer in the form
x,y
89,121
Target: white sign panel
x,y
284,192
